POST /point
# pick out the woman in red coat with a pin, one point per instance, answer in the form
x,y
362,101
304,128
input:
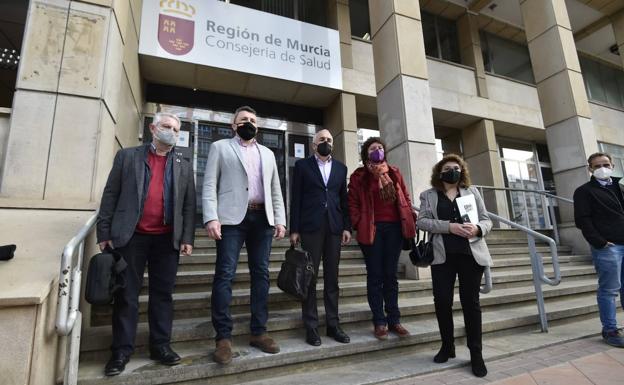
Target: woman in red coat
x,y
381,213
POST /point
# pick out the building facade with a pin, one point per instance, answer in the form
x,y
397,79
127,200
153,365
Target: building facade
x,y
524,90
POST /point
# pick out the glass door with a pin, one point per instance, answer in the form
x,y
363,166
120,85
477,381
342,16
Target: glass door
x,y
521,171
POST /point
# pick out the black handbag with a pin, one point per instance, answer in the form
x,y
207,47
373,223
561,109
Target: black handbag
x,y
7,252
104,277
422,250
296,273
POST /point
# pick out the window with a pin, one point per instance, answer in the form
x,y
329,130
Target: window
x,y
603,83
360,19
506,58
440,36
617,153
313,12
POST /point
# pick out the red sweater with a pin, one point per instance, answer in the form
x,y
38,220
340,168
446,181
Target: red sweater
x,y
153,219
384,211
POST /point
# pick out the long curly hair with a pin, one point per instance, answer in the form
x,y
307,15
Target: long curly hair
x,y
464,180
367,144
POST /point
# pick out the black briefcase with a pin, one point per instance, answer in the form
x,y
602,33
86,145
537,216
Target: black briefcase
x,y
104,277
296,273
7,252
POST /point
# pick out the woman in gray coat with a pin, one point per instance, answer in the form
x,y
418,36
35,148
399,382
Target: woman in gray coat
x,y
459,251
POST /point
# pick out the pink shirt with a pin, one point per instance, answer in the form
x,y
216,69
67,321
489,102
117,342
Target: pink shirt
x,y
324,167
253,166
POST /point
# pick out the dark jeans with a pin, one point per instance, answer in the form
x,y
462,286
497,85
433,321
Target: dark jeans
x,y
382,258
322,244
256,233
162,265
443,277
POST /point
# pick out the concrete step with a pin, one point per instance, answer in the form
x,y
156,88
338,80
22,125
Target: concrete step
x,y
98,338
249,363
201,280
196,304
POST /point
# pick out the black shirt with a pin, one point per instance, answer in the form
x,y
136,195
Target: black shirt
x,y
448,211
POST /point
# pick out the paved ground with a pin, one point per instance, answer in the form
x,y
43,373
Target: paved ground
x,y
583,362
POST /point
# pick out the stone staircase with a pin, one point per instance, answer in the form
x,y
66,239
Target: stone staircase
x,y
510,307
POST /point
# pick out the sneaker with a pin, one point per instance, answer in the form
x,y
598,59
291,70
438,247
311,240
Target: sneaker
x,y
614,337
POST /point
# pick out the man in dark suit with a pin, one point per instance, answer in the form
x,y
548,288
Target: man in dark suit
x,y
147,214
599,214
319,218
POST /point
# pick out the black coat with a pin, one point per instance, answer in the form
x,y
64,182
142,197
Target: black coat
x,y
122,202
599,212
309,197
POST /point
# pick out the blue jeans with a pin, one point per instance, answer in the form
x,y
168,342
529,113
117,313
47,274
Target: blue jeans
x,y
382,286
256,233
608,264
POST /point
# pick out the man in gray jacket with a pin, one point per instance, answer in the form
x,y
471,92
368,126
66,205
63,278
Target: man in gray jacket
x,y
242,203
147,214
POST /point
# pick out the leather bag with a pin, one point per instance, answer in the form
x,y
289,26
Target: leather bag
x,y
421,254
296,273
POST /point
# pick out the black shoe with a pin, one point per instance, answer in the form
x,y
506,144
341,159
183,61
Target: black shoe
x,y
478,366
444,354
337,334
116,364
312,337
165,355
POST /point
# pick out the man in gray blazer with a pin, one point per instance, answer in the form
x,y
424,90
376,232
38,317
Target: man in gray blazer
x,y
147,214
242,203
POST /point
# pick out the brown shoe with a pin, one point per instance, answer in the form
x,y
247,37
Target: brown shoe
x,y
381,332
223,354
399,330
264,343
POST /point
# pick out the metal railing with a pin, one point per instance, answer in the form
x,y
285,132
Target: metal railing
x,y
546,194
537,266
68,316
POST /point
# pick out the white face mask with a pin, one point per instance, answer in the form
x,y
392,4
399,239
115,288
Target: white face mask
x,y
168,137
603,173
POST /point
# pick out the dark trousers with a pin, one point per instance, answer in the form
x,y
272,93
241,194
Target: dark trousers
x,y
324,245
382,286
256,233
443,277
162,265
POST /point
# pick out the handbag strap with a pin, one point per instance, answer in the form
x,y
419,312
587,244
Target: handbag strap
x,y
120,262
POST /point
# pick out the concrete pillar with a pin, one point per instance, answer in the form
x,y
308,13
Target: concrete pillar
x,y
617,22
470,49
481,153
403,96
73,103
569,129
402,85
338,18
340,120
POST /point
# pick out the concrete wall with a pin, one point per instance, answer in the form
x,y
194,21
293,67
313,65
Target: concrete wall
x,y
78,87
5,122
608,123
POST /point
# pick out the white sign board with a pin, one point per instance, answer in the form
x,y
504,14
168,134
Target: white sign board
x,y
218,34
299,150
184,139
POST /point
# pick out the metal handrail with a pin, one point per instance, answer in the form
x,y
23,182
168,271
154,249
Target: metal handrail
x,y
537,265
547,194
68,316
487,274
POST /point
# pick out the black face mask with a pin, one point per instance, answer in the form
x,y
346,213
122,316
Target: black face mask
x,y
324,148
246,131
450,176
